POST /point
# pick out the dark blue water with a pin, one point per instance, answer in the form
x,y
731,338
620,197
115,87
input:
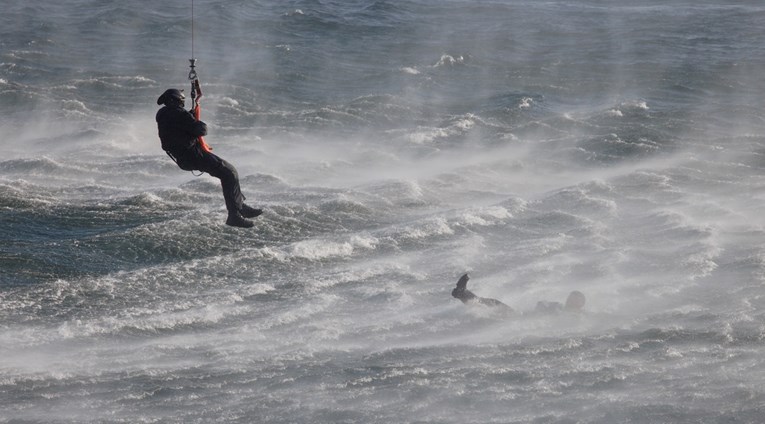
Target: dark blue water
x,y
614,148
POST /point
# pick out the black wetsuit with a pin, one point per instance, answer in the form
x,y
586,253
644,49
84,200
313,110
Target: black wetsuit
x,y
466,296
179,133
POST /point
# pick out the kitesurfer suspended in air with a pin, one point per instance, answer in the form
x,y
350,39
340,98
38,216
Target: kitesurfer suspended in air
x,y
180,134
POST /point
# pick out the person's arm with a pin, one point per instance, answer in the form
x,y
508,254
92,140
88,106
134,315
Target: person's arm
x,y
200,129
493,303
191,126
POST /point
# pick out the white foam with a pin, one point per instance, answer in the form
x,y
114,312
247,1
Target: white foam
x,y
228,101
427,228
152,320
485,216
427,135
320,249
638,104
457,126
449,60
317,249
615,112
257,288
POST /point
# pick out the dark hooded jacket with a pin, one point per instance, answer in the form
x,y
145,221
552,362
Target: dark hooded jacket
x,y
178,130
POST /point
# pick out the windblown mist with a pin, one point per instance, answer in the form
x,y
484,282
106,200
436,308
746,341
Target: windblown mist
x,y
611,147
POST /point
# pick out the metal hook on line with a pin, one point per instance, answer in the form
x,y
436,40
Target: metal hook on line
x,y
193,71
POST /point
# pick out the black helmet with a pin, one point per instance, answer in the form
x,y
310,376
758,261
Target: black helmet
x,y
171,96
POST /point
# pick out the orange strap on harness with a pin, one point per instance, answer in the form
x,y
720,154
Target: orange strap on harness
x,y
196,94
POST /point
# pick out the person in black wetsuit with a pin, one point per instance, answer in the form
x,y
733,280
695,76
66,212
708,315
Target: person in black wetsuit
x,y
466,296
179,132
574,303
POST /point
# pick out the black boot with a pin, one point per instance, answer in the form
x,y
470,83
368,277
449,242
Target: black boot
x,y
235,219
250,212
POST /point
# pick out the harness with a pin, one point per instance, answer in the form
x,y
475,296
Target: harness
x,y
196,95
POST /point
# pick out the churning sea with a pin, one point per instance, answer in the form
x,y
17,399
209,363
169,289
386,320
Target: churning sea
x,y
611,147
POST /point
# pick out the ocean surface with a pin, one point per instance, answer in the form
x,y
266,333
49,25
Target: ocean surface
x,y
611,147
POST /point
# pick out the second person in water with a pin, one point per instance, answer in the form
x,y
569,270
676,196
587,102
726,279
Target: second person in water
x,y
574,302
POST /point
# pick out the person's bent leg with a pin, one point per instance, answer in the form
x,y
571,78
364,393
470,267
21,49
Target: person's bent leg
x,y
229,180
232,193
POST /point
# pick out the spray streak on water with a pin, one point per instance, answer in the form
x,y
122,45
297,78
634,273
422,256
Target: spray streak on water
x,y
542,146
